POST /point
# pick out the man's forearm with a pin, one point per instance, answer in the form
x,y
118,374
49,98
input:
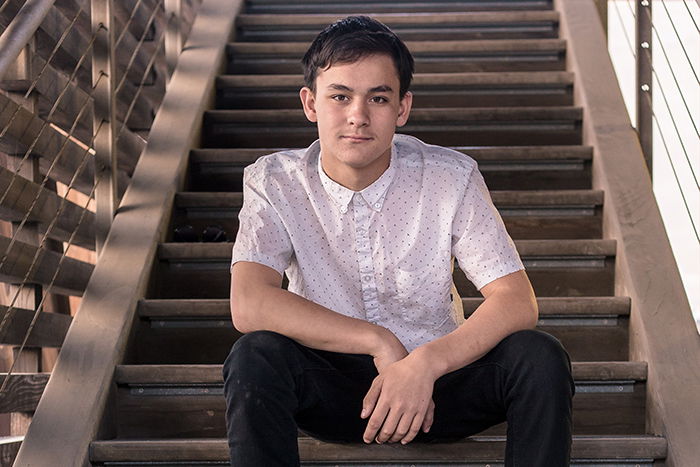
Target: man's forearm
x,y
502,313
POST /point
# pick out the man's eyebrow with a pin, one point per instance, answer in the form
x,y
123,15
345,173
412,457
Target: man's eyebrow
x,y
342,87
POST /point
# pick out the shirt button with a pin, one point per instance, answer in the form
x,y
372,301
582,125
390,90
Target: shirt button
x,y
377,205
366,278
343,210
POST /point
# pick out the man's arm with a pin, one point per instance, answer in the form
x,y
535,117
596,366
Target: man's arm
x,y
399,399
259,303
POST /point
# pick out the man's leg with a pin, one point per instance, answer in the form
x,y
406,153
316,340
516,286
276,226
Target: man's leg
x,y
272,384
526,380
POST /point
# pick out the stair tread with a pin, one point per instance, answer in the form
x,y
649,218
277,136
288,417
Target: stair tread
x,y
417,48
364,6
473,448
220,308
396,19
211,374
501,198
425,115
586,247
247,156
419,79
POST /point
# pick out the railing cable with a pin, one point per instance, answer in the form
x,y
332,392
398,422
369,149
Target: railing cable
x,y
127,24
680,41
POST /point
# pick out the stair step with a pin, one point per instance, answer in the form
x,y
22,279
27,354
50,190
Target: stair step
x,y
410,27
365,7
430,56
448,126
474,451
555,267
199,331
547,88
519,167
186,400
562,214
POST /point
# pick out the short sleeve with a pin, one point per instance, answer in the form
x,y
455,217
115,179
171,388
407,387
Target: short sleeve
x,y
480,242
262,237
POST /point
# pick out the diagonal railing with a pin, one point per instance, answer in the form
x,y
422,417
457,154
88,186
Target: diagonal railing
x,y
80,85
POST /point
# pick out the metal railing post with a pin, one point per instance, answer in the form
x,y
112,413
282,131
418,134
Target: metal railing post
x,y
644,79
104,121
173,38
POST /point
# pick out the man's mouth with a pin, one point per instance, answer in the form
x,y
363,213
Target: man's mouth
x,y
356,138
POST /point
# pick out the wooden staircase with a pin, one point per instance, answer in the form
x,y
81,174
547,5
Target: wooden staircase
x,y
494,81
490,81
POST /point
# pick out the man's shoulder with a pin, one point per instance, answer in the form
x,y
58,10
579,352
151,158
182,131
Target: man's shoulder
x,y
414,152
286,163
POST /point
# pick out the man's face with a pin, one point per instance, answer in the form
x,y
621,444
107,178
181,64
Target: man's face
x,y
357,109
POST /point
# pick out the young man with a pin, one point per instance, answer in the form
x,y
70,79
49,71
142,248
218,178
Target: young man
x,y
363,346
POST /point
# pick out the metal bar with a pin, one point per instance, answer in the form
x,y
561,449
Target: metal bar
x,y
643,34
106,197
20,30
173,38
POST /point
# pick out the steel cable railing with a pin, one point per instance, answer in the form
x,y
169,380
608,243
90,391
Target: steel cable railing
x,y
33,137
673,77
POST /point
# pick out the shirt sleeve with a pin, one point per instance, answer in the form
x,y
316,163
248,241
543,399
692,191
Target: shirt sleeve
x,y
480,242
262,237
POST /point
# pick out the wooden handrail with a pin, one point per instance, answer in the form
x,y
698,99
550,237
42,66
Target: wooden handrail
x,y
70,413
662,331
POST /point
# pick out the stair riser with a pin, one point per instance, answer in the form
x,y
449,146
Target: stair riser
x,y
552,176
221,135
392,7
520,225
211,279
180,416
199,341
242,65
422,98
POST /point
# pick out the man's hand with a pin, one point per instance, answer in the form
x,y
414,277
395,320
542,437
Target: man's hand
x,y
399,403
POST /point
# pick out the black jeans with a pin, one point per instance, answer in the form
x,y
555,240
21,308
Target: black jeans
x,y
273,385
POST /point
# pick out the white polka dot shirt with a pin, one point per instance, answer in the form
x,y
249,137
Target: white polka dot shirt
x,y
382,254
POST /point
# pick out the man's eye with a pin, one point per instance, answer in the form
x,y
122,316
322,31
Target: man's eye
x,y
379,99
339,98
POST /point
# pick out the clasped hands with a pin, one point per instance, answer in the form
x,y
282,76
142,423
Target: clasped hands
x,y
399,403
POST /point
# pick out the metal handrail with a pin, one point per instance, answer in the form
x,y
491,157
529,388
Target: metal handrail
x,y
21,30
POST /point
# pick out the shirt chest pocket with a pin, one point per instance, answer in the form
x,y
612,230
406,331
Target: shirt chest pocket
x,y
423,294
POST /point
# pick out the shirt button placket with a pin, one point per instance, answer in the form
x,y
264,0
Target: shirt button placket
x,y
364,258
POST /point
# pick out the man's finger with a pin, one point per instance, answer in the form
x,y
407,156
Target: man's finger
x,y
403,428
388,428
375,422
370,400
429,414
413,430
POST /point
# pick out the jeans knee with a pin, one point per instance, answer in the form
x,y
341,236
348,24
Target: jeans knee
x,y
542,355
253,354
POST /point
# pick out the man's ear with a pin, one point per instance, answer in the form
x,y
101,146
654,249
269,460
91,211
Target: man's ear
x,y
308,102
404,109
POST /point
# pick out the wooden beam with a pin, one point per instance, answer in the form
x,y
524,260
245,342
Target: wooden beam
x,y
70,413
662,329
22,392
9,446
72,277
20,197
49,330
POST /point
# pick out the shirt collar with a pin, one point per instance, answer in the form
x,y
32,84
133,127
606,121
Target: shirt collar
x,y
373,194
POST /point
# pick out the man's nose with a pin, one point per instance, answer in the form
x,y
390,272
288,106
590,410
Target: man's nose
x,y
358,114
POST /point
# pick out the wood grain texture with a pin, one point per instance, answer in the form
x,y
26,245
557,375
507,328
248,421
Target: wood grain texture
x,y
23,391
49,330
662,330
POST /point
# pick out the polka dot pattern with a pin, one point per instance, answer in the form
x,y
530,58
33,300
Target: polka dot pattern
x,y
382,254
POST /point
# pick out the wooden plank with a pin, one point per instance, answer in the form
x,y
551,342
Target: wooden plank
x,y
662,329
9,446
22,392
72,276
474,448
365,7
64,425
211,374
19,201
559,306
49,330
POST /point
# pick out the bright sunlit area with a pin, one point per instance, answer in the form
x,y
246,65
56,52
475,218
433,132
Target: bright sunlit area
x,y
676,102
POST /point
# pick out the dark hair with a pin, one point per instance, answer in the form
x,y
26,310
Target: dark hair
x,y
352,38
